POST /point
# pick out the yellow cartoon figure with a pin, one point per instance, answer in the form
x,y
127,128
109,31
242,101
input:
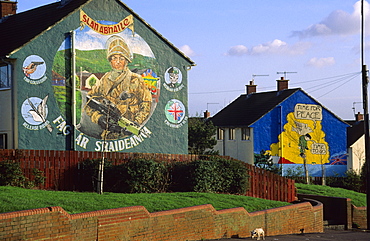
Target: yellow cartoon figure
x,y
301,139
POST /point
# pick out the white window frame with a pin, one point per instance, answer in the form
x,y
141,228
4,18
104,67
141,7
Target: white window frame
x,y
231,133
5,76
3,141
220,134
246,134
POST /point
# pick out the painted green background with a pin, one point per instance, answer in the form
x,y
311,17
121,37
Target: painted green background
x,y
164,139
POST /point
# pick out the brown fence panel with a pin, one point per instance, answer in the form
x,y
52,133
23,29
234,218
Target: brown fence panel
x,y
61,169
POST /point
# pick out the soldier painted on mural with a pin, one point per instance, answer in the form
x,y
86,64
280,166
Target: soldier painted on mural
x,y
120,101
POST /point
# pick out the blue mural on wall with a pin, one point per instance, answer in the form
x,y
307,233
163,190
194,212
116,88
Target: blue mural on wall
x,y
300,131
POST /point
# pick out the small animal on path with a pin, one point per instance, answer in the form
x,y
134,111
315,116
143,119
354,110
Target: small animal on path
x,y
258,232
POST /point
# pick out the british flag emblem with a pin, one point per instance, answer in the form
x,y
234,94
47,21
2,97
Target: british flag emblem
x,y
175,111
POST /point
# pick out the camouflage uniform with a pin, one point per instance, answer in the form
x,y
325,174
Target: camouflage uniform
x,y
126,90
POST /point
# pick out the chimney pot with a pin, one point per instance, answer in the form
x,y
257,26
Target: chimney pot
x,y
8,8
359,116
207,114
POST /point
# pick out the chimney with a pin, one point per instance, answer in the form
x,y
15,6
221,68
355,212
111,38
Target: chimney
x,y
359,116
251,88
207,114
282,84
7,8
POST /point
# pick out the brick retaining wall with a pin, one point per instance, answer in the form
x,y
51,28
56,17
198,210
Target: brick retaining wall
x,y
136,223
359,215
340,211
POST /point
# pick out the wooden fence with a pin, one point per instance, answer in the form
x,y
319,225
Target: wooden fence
x,y
62,170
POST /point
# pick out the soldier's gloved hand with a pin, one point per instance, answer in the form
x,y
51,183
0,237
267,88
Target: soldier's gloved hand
x,y
125,95
102,122
108,124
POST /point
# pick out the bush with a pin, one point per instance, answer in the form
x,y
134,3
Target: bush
x,y
351,181
11,175
147,176
264,160
89,170
233,176
181,173
296,173
211,174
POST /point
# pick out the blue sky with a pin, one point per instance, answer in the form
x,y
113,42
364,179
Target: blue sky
x,y
230,41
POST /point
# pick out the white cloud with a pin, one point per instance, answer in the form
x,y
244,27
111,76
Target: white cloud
x,y
336,23
237,50
187,50
270,47
273,47
321,62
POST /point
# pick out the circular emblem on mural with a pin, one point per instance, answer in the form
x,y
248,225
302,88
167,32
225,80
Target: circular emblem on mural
x,y
173,79
175,111
34,68
35,111
118,86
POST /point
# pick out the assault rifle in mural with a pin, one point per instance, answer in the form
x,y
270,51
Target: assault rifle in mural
x,y
107,108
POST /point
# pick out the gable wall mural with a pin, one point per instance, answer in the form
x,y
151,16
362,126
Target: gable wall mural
x,y
128,94
300,131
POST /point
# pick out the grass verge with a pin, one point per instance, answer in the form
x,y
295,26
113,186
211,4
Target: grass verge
x,y
15,199
358,199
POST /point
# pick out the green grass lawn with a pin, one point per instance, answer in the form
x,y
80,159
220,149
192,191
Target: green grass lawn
x,y
14,199
358,199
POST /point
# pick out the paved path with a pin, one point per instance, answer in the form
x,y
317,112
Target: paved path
x,y
338,235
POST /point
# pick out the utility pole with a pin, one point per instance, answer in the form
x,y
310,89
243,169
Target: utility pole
x,y
366,117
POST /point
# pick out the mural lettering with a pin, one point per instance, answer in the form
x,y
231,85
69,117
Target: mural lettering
x,y
82,141
62,125
318,148
123,144
128,22
303,139
308,112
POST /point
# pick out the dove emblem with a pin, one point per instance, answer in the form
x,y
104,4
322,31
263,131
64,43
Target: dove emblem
x,y
39,112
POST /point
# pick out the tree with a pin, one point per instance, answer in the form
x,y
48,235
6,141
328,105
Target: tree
x,y
264,160
201,136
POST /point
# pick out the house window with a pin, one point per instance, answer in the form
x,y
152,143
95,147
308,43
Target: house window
x,y
220,134
3,141
246,134
5,74
232,134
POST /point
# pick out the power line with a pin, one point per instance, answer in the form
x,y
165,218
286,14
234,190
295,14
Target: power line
x,y
214,92
335,81
336,87
320,86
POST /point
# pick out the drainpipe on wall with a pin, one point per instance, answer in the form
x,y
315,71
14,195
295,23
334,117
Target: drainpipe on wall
x,y
73,80
281,133
223,141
